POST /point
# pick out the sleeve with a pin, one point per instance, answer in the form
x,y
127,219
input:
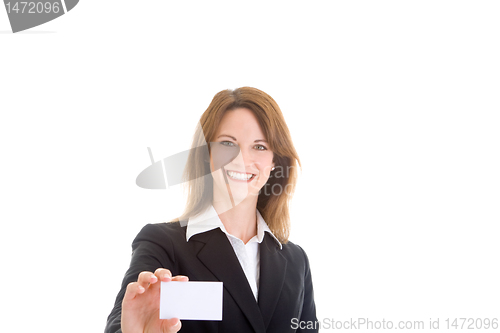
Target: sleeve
x,y
309,308
147,255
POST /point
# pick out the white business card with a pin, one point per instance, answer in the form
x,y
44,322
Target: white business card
x,y
191,300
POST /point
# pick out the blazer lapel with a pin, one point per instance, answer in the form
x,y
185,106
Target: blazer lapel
x,y
218,256
272,277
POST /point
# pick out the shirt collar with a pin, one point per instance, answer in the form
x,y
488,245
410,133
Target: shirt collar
x,y
209,220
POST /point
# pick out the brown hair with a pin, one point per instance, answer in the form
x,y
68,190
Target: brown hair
x,y
274,207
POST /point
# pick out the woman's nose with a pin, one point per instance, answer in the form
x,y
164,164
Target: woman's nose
x,y
244,158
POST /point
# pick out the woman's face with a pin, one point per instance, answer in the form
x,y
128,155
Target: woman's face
x,y
248,172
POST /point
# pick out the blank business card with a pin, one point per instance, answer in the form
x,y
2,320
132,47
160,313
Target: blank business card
x,y
191,300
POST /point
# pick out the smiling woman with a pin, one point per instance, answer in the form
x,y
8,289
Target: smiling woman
x,y
249,171
252,115
234,229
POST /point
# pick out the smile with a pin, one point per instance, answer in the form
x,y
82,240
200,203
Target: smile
x,y
246,177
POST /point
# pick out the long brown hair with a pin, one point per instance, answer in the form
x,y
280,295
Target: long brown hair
x,y
272,204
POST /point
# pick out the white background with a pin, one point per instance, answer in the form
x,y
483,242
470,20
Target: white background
x,y
393,107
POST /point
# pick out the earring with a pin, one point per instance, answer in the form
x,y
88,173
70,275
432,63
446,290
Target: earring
x,y
273,169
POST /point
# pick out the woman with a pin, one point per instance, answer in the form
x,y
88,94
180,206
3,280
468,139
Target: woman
x,y
234,229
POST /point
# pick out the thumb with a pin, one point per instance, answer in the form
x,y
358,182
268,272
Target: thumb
x,y
172,325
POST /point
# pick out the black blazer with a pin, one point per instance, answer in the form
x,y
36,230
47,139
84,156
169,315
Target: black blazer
x,y
285,286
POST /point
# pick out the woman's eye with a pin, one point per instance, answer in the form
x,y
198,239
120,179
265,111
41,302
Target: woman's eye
x,y
261,147
227,143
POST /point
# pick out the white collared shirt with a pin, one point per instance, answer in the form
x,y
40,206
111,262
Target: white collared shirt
x,y
248,254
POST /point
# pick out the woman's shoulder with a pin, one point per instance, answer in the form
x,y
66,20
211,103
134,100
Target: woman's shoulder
x,y
296,258
295,253
162,233
293,249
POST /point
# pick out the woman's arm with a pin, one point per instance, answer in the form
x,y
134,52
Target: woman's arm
x,y
137,304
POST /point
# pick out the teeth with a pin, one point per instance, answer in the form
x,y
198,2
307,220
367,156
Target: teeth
x,y
239,176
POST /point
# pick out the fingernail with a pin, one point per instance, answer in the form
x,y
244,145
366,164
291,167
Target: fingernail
x,y
141,289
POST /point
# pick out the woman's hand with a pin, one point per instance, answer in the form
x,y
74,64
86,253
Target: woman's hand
x,y
141,304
